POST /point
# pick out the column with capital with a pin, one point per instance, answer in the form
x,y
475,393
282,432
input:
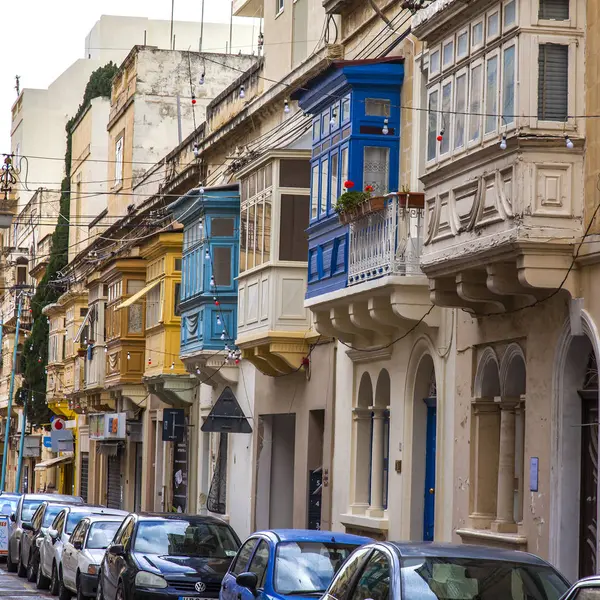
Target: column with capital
x,y
377,455
505,522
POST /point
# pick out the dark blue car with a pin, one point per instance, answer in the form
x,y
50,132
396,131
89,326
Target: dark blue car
x,y
287,563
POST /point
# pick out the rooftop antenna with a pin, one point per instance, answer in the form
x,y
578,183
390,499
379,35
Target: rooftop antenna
x,y
172,17
18,84
202,26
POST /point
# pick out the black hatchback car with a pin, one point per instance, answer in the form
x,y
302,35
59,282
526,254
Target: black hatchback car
x,y
167,557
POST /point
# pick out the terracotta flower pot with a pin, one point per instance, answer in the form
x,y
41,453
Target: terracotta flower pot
x,y
412,199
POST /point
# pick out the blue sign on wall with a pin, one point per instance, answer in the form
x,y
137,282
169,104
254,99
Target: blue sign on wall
x,y
47,441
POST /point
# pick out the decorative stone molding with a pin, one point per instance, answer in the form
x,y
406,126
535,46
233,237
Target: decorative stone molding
x,y
489,538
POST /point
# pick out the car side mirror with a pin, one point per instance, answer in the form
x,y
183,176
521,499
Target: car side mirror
x,y
116,550
249,581
77,545
53,534
27,526
13,517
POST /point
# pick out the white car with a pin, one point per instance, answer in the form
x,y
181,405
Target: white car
x,y
51,549
84,552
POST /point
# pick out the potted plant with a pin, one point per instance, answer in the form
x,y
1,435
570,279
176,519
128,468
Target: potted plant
x,y
352,205
410,199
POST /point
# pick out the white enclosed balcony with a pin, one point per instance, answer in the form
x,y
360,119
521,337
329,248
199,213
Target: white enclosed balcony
x,y
248,8
386,290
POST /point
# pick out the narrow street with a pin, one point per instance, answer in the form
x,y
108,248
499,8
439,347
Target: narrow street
x,y
13,587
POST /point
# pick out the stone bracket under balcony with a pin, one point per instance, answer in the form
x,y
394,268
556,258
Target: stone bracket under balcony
x,y
277,352
530,274
375,312
174,390
211,368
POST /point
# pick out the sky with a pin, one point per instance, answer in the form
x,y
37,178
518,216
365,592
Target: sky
x,y
39,39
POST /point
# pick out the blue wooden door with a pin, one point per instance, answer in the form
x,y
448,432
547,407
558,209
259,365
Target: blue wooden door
x,y
430,450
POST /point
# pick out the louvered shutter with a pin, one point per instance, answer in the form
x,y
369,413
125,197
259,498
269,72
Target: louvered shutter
x,y
113,492
554,10
553,82
84,473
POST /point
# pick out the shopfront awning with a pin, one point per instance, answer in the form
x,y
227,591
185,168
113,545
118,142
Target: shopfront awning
x,y
138,295
53,462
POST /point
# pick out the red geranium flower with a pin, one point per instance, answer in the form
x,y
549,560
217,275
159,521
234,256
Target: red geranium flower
x,y
349,184
369,188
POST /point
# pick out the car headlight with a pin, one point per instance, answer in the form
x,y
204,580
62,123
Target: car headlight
x,y
150,580
93,569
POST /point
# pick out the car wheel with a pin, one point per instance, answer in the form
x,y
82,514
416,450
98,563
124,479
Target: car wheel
x,y
79,589
99,592
63,592
42,582
31,570
21,568
10,565
54,581
120,592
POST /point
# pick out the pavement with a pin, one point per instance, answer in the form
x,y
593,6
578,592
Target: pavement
x,y
15,588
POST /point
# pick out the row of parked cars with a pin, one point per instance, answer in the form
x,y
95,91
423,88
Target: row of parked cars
x,y
90,551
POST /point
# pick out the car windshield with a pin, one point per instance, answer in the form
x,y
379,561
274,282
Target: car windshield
x,y
308,567
475,579
101,534
8,506
50,514
185,538
28,508
74,518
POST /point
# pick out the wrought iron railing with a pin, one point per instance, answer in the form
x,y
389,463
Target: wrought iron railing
x,y
388,242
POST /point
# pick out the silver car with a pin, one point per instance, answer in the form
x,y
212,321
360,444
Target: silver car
x,y
27,505
84,552
50,571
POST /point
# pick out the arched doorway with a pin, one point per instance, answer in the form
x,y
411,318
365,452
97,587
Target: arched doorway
x,y
424,449
573,535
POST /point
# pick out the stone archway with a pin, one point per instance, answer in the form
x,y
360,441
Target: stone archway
x,y
362,445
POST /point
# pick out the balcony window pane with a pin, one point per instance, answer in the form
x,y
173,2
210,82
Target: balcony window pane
x,y
222,265
448,54
510,14
446,108
477,34
334,178
493,25
314,193
293,242
461,107
325,124
344,177
346,109
491,94
317,130
553,82
244,239
222,227
375,107
434,62
462,45
259,232
268,175
153,306
135,319
267,229
508,85
324,184
376,169
475,104
294,173
432,128
251,236
177,300
554,10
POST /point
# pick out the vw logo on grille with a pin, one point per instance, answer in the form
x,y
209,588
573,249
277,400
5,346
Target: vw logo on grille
x,y
200,586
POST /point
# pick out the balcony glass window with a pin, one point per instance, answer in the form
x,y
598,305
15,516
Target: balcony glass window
x,y
553,82
493,25
222,265
554,10
448,54
324,186
475,103
477,34
432,131
119,162
434,62
346,109
376,169
221,227
314,203
177,300
154,303
461,108
446,117
325,118
375,107
462,45
135,315
279,5
293,242
508,85
344,170
491,94
317,130
294,174
333,184
510,14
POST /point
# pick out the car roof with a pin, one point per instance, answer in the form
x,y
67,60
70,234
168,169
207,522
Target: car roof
x,y
312,535
88,509
150,516
430,550
10,494
95,518
54,498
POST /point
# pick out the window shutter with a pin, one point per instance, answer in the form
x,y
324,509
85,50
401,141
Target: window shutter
x,y
553,82
554,10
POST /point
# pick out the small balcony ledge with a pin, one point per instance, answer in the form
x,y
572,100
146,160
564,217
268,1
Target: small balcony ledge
x,y
211,368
